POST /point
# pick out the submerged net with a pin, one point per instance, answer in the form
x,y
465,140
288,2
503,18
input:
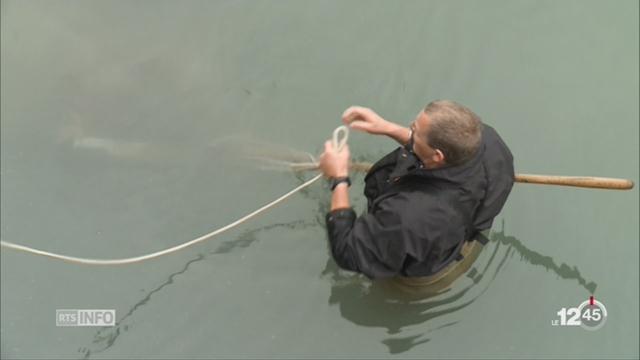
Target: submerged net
x,y
268,156
263,155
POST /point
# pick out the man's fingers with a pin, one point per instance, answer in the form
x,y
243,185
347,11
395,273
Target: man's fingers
x,y
348,117
348,113
360,125
352,113
328,146
345,151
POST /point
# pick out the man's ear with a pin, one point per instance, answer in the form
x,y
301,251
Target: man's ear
x,y
438,157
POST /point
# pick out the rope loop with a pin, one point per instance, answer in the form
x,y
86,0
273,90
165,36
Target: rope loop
x,y
340,142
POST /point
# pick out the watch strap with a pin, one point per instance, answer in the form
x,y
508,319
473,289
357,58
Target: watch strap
x,y
339,180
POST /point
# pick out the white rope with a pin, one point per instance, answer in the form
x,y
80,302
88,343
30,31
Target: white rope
x,y
338,143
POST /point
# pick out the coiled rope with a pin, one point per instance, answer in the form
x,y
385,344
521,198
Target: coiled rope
x,y
340,136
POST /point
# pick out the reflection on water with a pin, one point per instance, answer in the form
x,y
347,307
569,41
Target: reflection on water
x,y
373,304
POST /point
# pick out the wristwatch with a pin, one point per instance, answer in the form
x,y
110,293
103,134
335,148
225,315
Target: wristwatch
x,y
335,181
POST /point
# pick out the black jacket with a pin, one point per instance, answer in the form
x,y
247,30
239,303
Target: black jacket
x,y
418,219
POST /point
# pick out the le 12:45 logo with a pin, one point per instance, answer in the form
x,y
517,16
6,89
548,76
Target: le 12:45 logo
x,y
591,315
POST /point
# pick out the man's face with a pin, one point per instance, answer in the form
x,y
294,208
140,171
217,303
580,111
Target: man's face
x,y
430,157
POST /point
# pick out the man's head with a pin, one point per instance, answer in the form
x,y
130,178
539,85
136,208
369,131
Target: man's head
x,y
445,133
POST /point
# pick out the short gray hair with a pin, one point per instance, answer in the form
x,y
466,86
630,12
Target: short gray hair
x,y
454,129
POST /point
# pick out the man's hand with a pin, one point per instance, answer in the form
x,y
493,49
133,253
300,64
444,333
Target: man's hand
x,y
365,119
334,164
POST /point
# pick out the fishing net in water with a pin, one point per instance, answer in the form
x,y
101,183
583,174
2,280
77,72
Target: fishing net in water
x,y
268,156
263,155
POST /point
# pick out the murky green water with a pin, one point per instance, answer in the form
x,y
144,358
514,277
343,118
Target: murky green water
x,y
111,112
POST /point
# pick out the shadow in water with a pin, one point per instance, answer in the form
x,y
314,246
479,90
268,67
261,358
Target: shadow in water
x,y
411,319
563,270
106,337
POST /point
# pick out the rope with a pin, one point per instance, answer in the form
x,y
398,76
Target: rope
x,y
340,136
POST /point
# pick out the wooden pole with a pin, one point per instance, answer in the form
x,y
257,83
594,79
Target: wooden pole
x,y
577,181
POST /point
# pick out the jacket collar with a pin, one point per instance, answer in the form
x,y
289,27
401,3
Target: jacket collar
x,y
408,164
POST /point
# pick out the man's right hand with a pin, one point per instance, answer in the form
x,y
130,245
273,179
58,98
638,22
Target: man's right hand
x,y
365,119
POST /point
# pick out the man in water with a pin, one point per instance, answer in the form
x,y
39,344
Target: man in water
x,y
427,200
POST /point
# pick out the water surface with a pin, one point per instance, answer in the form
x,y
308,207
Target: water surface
x,y
110,116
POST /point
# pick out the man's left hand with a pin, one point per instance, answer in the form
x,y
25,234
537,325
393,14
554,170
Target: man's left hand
x,y
334,164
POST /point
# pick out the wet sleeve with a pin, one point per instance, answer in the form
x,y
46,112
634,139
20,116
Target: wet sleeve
x,y
373,244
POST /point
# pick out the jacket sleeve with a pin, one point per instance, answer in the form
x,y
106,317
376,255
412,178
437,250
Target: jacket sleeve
x,y
374,244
